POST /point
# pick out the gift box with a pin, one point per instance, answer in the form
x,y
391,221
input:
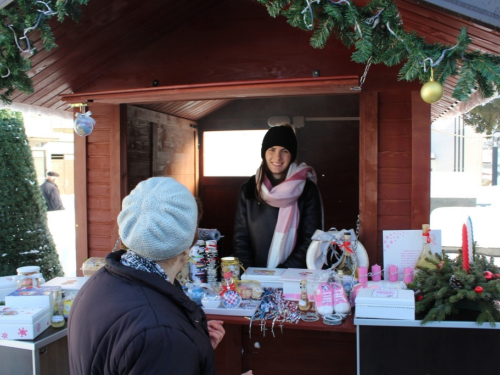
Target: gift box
x,y
385,304
68,284
268,277
7,285
291,282
32,297
23,323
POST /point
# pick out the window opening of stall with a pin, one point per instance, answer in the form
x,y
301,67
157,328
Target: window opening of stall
x,y
231,153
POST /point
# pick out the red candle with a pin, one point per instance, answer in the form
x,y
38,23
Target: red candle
x,y
465,248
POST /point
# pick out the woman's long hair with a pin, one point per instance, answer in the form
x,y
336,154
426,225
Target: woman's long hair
x,y
264,170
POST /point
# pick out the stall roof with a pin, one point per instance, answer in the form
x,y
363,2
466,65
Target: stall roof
x,y
112,30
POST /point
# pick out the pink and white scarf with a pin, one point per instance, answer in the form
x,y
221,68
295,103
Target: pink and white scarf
x,y
285,196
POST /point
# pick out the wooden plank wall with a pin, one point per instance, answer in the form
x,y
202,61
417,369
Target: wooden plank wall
x,y
403,164
394,165
98,184
102,177
161,145
368,169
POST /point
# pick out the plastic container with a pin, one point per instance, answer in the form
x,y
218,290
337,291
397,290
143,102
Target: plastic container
x,y
211,300
91,265
249,289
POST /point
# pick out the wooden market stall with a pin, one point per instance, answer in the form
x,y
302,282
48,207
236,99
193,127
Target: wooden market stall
x,y
157,74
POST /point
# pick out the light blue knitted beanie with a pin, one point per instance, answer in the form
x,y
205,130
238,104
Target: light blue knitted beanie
x,y
158,218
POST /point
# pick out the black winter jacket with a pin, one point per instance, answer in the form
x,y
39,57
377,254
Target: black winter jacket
x,y
50,192
126,321
255,222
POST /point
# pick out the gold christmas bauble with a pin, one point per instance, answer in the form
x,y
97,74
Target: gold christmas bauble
x,y
431,92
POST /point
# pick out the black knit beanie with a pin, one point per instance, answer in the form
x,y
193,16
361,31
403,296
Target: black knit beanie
x,y
283,136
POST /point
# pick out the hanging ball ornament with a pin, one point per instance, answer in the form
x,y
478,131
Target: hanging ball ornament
x,y
488,275
432,91
84,124
478,289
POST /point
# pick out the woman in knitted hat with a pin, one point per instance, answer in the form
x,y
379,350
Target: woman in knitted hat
x,y
132,316
279,208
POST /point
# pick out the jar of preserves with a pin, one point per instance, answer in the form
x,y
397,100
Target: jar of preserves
x,y
29,276
230,267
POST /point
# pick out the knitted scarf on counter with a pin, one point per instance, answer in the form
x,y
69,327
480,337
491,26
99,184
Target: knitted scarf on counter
x,y
135,261
285,196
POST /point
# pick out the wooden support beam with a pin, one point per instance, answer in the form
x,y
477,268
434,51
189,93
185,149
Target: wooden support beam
x,y
421,162
223,90
368,172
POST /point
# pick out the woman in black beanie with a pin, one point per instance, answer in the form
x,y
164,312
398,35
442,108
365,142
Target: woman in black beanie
x,y
279,208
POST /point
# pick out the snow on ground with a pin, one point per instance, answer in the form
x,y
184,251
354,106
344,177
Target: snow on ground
x,y
62,227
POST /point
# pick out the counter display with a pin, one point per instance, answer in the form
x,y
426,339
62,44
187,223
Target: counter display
x,y
302,348
394,347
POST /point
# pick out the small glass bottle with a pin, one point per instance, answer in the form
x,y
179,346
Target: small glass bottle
x,y
347,265
304,303
57,316
426,249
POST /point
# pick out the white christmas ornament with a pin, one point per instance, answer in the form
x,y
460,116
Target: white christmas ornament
x,y
84,124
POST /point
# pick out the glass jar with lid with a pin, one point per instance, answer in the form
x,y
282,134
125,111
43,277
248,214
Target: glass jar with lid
x,y
29,276
230,267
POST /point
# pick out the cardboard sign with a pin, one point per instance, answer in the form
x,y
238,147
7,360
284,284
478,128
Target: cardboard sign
x,y
403,247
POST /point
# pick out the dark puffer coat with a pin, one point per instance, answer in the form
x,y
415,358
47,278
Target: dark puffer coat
x,y
255,222
50,192
126,321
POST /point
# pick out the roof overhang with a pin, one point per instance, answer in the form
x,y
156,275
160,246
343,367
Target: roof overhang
x,y
486,12
223,90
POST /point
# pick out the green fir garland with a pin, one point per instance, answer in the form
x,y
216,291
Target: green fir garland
x,y
366,28
21,17
376,31
446,290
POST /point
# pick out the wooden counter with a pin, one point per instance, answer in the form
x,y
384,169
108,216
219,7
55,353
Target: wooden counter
x,y
302,348
47,354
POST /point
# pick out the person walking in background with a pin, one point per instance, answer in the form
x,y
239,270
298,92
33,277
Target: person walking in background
x,y
51,193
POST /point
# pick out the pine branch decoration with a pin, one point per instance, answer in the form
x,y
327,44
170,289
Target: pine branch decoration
x,y
367,29
24,17
442,292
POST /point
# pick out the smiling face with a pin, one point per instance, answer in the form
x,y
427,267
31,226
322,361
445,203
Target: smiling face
x,y
278,159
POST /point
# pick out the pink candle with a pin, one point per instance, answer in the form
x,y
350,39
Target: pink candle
x,y
376,272
363,274
393,273
408,275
